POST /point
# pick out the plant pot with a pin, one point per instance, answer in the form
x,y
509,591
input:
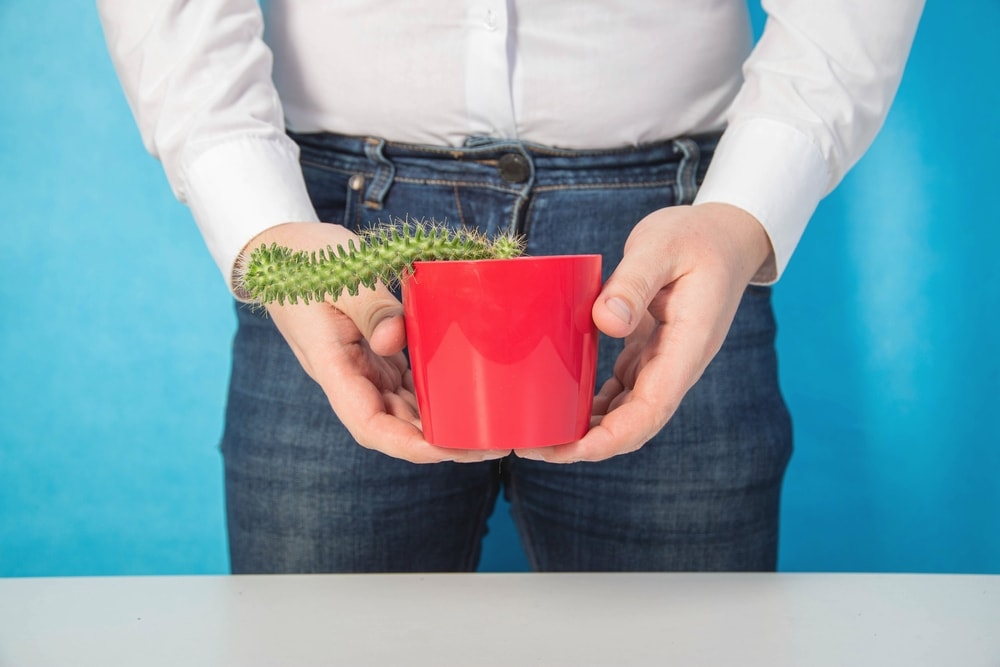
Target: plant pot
x,y
503,352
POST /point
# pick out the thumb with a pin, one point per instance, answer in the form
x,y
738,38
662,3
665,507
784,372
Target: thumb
x,y
641,274
619,307
379,317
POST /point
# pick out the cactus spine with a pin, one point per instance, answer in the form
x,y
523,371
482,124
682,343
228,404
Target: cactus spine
x,y
275,274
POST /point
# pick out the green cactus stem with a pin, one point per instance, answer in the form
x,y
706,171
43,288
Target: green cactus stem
x,y
275,274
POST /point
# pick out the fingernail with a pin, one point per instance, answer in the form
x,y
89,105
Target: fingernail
x,y
619,309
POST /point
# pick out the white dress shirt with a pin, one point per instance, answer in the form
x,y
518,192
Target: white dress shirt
x,y
212,90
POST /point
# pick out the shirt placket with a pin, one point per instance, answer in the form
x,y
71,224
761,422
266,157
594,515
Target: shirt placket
x,y
488,68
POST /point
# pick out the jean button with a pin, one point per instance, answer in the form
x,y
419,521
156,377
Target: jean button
x,y
514,168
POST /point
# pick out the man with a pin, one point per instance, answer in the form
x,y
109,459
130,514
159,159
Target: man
x,y
648,132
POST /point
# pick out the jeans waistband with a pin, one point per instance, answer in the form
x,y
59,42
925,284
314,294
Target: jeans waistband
x,y
519,166
480,147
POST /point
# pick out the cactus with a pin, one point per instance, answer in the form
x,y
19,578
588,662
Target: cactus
x,y
275,274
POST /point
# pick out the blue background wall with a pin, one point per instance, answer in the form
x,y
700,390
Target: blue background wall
x,y
115,327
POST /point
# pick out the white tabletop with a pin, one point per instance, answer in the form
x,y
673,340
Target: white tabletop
x,y
803,620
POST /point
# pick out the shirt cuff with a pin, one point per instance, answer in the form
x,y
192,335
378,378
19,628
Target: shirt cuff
x,y
238,189
775,173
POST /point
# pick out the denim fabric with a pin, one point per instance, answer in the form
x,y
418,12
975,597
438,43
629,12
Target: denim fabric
x,y
703,495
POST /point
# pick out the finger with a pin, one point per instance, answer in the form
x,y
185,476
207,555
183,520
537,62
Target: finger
x,y
401,439
611,388
408,383
626,367
398,405
623,430
618,400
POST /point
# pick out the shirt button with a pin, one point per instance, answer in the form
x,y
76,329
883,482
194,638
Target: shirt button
x,y
514,168
491,20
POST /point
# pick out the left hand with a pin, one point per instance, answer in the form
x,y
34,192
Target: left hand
x,y
673,298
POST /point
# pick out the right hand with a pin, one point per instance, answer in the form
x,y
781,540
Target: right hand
x,y
353,348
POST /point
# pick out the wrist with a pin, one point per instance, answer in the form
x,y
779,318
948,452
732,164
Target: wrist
x,y
751,249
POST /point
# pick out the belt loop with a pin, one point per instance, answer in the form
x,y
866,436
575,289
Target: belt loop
x,y
384,173
687,170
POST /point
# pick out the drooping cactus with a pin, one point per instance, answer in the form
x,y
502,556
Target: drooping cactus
x,y
275,274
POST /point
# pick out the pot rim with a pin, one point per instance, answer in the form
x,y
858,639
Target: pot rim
x,y
537,258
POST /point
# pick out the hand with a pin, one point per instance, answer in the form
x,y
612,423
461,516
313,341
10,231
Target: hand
x,y
353,348
673,298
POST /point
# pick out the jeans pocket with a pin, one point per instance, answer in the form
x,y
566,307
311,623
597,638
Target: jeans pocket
x,y
336,192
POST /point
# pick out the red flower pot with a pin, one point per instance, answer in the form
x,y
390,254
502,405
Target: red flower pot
x,y
503,352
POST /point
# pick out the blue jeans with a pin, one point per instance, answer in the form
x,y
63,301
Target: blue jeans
x,y
302,496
